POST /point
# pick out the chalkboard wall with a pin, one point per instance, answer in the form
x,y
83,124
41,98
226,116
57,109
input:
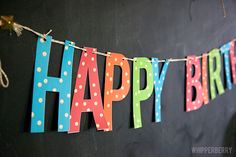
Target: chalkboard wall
x,y
160,28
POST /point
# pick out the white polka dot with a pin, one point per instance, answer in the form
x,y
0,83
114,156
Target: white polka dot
x,y
76,123
69,62
109,64
68,95
40,100
95,94
41,40
80,86
39,122
101,115
93,84
121,63
123,96
126,74
75,90
65,73
60,126
39,69
85,54
76,104
155,65
32,114
66,47
92,58
122,87
108,123
45,81
79,75
66,115
97,125
107,74
61,80
54,89
88,110
108,105
84,103
117,96
95,103
39,84
128,81
110,78
111,91
94,69
61,101
44,53
115,59
83,63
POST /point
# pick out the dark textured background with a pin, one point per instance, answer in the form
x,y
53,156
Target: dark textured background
x,y
160,28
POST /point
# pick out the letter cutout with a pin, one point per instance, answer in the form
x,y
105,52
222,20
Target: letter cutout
x,y
43,83
158,84
140,95
88,65
225,49
233,60
215,74
111,94
204,79
193,81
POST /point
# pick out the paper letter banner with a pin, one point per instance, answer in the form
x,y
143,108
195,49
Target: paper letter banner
x,y
158,84
43,83
233,60
204,79
193,81
215,74
225,49
140,95
88,65
110,94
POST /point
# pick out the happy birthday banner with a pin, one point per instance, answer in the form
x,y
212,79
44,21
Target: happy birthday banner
x,y
199,69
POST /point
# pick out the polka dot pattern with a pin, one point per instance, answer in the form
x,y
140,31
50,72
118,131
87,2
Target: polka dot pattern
x,y
233,61
43,83
215,73
204,79
87,66
193,81
159,80
140,95
225,49
115,59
